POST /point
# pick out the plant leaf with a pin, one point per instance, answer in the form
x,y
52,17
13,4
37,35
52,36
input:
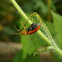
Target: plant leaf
x,y
58,27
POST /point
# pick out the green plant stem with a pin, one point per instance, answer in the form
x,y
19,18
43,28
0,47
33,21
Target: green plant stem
x,y
39,32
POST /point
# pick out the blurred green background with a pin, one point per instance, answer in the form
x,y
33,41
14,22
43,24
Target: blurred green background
x,y
9,17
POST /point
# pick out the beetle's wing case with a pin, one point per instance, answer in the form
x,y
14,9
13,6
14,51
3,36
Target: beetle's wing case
x,y
33,26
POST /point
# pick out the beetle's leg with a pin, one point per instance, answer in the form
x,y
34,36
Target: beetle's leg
x,y
23,27
19,30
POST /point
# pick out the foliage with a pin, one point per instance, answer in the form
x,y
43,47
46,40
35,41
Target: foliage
x,y
47,38
31,43
58,27
9,17
29,58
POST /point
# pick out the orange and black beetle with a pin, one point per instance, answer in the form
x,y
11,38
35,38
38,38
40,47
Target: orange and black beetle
x,y
30,30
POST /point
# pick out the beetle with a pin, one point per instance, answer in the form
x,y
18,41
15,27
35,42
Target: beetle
x,y
34,27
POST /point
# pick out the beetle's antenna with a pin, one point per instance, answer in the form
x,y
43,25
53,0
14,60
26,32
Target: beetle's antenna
x,y
16,33
35,14
31,18
16,28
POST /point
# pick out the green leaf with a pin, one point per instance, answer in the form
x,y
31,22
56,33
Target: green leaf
x,y
29,58
58,27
